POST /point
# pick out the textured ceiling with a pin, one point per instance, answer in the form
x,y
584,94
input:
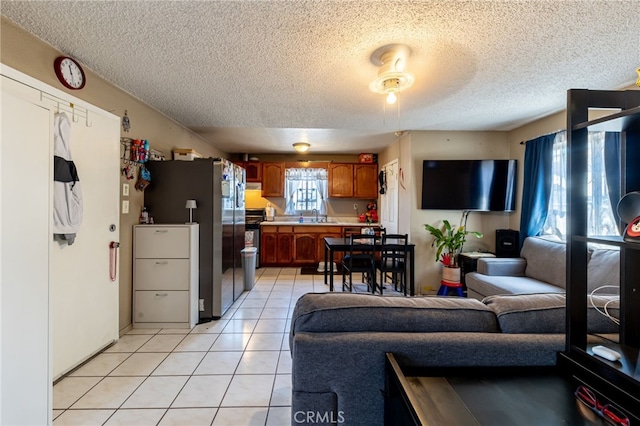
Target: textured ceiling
x,y
256,76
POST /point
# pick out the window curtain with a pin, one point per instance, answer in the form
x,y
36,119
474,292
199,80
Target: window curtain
x,y
538,160
612,170
294,179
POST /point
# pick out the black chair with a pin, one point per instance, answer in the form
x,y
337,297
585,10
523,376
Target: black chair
x,y
393,261
360,258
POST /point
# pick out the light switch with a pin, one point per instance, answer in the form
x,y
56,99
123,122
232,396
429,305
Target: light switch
x,y
125,206
125,189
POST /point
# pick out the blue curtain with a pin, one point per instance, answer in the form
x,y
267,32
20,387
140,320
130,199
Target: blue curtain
x,y
613,170
538,160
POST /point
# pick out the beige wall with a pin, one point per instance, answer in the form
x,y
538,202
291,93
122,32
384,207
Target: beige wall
x,y
33,57
442,145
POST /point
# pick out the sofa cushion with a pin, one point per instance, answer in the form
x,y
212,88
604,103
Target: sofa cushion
x,y
604,269
487,285
340,312
546,313
530,313
546,260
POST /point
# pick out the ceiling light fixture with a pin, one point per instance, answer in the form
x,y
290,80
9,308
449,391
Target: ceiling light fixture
x,y
301,146
392,78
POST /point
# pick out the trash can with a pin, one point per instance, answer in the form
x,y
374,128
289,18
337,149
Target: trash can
x,y
249,266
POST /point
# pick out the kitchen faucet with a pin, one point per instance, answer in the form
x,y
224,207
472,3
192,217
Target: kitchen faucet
x,y
316,212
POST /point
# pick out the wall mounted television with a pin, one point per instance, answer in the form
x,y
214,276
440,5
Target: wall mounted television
x,y
478,185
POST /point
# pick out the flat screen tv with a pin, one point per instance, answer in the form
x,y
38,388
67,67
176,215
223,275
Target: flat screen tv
x,y
479,185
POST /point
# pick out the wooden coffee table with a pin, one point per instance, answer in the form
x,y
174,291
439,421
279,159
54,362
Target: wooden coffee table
x,y
479,396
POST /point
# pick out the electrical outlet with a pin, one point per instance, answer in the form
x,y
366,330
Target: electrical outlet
x,y
125,189
201,304
125,206
355,206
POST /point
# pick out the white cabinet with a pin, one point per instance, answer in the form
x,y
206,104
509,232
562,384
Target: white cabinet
x,y
165,276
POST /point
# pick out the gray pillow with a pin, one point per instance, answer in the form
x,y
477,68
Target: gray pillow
x,y
529,313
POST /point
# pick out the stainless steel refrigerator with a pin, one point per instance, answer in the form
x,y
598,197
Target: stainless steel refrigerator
x,y
218,186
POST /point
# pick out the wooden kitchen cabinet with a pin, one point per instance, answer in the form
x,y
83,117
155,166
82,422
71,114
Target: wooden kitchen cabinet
x,y
304,248
341,180
254,171
331,232
273,179
347,180
365,181
276,245
285,252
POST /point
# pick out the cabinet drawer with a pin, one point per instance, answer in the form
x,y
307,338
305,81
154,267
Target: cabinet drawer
x,y
161,306
161,242
161,274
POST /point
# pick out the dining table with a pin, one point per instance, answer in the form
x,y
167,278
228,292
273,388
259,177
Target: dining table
x,y
342,244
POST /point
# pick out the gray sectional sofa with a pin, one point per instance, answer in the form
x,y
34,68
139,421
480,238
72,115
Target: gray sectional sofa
x,y
541,268
338,343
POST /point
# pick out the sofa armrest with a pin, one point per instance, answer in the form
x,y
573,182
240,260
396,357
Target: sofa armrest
x,y
502,266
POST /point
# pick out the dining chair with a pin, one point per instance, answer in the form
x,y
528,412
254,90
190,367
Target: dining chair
x,y
360,258
393,261
347,231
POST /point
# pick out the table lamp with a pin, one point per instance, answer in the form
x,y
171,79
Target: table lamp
x,y
191,204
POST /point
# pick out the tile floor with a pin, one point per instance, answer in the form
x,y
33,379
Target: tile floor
x,y
234,371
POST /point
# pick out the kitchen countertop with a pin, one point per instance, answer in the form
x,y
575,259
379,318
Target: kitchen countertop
x,y
309,222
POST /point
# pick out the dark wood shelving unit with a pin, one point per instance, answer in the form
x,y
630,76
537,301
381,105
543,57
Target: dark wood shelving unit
x,y
616,382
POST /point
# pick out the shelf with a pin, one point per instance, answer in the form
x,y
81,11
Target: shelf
x,y
618,122
607,240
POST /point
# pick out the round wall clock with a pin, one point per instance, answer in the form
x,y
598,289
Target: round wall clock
x,y
69,72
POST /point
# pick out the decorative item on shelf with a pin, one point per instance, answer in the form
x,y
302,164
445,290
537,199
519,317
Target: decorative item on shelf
x,y
191,204
629,212
126,123
185,154
368,158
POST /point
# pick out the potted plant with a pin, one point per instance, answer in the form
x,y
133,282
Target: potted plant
x,y
448,242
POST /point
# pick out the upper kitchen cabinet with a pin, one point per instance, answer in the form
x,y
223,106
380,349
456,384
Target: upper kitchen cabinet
x,y
341,180
365,181
348,180
253,170
272,179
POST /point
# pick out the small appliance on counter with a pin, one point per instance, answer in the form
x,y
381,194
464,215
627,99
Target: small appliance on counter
x,y
270,213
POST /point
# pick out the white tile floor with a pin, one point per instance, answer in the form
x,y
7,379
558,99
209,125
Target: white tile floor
x,y
234,371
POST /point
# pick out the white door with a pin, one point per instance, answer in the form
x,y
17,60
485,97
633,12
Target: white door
x,y
25,206
84,298
389,200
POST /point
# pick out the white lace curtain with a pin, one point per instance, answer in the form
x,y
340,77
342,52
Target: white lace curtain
x,y
298,178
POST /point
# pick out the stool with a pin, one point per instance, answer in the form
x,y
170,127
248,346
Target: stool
x,y
450,288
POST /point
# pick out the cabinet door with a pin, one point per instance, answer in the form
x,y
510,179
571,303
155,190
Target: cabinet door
x,y
304,248
268,247
273,179
341,180
254,171
320,245
365,181
285,248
